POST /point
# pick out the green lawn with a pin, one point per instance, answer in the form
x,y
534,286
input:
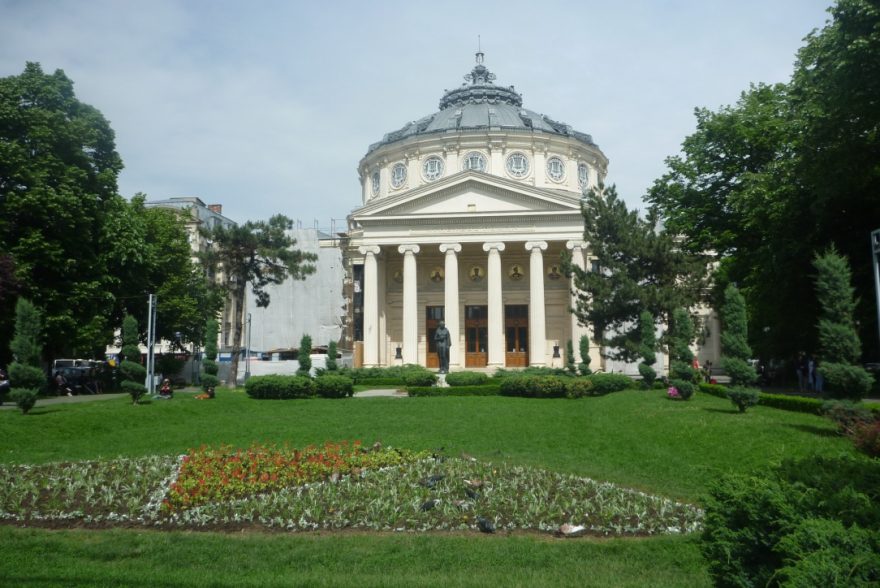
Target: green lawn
x,y
636,439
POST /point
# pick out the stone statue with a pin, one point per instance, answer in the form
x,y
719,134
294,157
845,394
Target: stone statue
x,y
441,338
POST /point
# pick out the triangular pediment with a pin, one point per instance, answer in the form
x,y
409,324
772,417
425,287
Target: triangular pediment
x,y
469,193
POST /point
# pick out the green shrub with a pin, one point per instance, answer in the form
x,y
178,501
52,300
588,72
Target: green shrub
x,y
579,388
209,381
132,371
279,387
739,371
378,376
420,379
792,403
608,383
866,438
466,379
133,389
584,348
27,377
304,356
648,374
749,518
210,367
330,364
822,552
714,390
531,371
532,386
24,398
846,381
742,398
422,391
333,386
847,415
685,388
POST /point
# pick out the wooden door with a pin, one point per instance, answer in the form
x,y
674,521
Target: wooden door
x,y
516,335
476,335
433,316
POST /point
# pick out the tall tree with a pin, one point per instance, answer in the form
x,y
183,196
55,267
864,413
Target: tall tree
x,y
786,171
641,267
258,253
839,345
734,339
58,169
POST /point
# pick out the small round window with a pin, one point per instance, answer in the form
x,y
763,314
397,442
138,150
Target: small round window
x,y
583,175
375,181
475,161
398,175
432,168
556,169
518,165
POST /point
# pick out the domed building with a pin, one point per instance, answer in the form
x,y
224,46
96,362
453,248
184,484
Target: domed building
x,y
465,216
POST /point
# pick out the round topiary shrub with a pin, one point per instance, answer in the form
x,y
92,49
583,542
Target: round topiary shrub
x,y
133,389
467,378
608,383
742,398
24,398
26,377
209,381
685,388
333,386
419,378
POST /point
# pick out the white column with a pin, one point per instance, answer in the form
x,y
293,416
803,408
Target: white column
x,y
410,304
495,322
537,322
371,306
450,301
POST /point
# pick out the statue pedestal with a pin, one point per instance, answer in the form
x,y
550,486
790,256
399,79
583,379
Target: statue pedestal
x,y
441,381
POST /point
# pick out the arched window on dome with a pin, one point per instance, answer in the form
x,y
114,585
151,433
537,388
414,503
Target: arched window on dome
x,y
518,165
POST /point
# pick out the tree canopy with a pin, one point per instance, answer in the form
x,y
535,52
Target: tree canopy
x,y
258,253
785,172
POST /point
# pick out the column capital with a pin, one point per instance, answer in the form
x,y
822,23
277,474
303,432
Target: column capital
x,y
409,248
447,247
364,249
576,245
532,245
497,245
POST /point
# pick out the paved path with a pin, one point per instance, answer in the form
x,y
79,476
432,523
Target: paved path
x,y
388,393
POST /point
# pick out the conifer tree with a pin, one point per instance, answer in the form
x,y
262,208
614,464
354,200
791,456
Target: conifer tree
x,y
304,357
331,365
209,364
681,373
133,372
25,375
569,358
648,343
584,348
839,345
734,339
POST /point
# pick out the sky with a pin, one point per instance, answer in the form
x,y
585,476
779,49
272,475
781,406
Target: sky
x,y
267,106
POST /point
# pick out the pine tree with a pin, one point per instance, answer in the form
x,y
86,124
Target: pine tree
x,y
25,375
839,345
569,358
330,364
648,343
584,348
680,335
734,339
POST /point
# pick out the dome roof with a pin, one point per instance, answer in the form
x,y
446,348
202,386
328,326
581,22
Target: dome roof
x,y
480,104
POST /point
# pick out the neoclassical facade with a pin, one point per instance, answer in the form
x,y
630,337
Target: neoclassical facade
x,y
465,216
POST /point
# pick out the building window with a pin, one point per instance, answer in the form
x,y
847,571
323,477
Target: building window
x,y
517,165
432,168
398,175
475,161
556,169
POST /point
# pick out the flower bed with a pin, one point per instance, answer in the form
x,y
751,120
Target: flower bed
x,y
336,486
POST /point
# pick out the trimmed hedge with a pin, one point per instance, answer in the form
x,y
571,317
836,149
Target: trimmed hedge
x,y
579,388
781,401
333,386
456,379
416,378
531,371
279,387
487,390
608,383
379,376
534,386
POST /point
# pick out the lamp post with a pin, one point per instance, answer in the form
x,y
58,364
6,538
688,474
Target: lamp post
x,y
247,358
875,257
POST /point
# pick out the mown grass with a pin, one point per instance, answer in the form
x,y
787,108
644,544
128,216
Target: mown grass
x,y
636,439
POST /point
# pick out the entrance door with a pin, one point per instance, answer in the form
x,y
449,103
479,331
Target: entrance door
x,y
433,316
516,329
476,335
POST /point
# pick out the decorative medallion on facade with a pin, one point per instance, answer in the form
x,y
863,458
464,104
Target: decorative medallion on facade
x,y
516,272
556,169
398,175
375,181
554,273
476,273
583,176
518,165
432,168
436,274
475,161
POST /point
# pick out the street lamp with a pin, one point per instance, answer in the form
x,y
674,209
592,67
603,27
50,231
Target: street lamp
x,y
247,359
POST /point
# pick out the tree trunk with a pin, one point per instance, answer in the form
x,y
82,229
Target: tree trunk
x,y
237,315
